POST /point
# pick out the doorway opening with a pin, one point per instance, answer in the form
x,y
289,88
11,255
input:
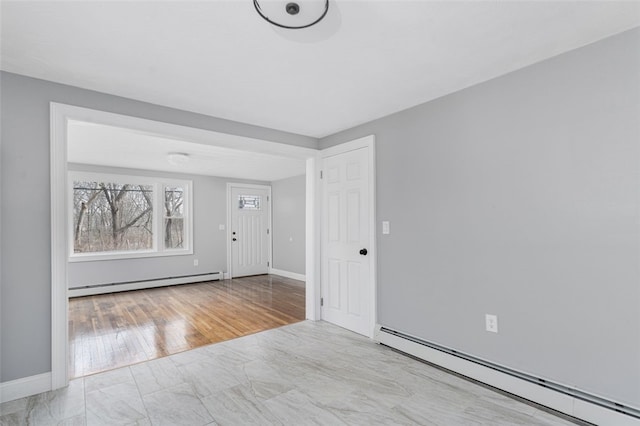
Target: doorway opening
x,y
171,253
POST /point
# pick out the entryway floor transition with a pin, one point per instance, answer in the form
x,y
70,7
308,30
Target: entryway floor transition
x,y
300,374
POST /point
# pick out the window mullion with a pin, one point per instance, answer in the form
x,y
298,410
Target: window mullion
x,y
158,229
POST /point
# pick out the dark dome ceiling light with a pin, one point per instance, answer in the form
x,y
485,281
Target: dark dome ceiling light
x,y
292,15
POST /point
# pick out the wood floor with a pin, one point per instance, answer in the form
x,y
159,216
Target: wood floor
x,y
114,330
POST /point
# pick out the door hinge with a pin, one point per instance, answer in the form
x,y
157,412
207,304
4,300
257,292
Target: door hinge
x,y
267,231
268,264
322,301
267,198
320,174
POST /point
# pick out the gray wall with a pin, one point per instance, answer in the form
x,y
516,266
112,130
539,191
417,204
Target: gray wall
x,y
288,209
25,280
519,197
209,243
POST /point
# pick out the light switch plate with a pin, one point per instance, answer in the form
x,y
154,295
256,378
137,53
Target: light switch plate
x,y
385,227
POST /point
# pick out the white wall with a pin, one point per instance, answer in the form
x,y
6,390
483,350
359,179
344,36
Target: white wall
x,y
288,213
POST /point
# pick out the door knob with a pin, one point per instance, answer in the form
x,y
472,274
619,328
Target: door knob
x,y
364,252
233,239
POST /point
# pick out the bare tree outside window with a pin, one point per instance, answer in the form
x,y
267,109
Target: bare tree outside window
x,y
173,217
111,216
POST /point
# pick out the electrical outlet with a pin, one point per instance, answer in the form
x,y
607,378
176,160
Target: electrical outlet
x,y
491,323
195,262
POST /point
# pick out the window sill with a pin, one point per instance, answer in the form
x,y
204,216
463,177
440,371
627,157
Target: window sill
x,y
95,257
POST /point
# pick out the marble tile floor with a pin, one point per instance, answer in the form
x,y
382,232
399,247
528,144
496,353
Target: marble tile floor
x,y
309,373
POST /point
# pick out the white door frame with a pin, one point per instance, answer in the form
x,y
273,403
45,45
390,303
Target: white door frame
x,y
365,142
60,115
230,186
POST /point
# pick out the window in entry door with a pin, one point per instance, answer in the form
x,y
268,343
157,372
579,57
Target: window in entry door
x,y
249,202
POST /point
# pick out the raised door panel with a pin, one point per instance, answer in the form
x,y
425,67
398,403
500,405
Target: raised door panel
x,y
346,287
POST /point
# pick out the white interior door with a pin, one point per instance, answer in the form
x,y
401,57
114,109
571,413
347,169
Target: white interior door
x,y
250,235
347,285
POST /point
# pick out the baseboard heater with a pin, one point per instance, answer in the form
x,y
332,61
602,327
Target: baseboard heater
x,y
91,290
567,399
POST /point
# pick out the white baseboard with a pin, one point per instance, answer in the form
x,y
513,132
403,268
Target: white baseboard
x,y
287,274
549,398
27,386
226,276
90,291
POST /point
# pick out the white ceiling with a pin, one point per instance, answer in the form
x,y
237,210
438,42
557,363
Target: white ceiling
x,y
101,145
367,59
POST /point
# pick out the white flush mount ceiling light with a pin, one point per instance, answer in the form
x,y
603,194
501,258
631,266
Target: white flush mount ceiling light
x,y
177,158
292,14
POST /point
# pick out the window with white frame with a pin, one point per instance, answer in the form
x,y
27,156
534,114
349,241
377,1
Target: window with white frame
x,y
116,216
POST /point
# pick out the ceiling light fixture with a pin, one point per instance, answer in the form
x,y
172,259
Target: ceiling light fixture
x,y
177,158
292,15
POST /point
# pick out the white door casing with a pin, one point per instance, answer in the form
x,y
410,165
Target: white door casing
x,y
348,236
249,229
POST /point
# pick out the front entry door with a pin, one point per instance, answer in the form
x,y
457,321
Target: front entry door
x,y
250,234
345,272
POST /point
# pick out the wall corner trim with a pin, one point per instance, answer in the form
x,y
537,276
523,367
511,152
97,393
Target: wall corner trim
x,y
26,386
287,274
